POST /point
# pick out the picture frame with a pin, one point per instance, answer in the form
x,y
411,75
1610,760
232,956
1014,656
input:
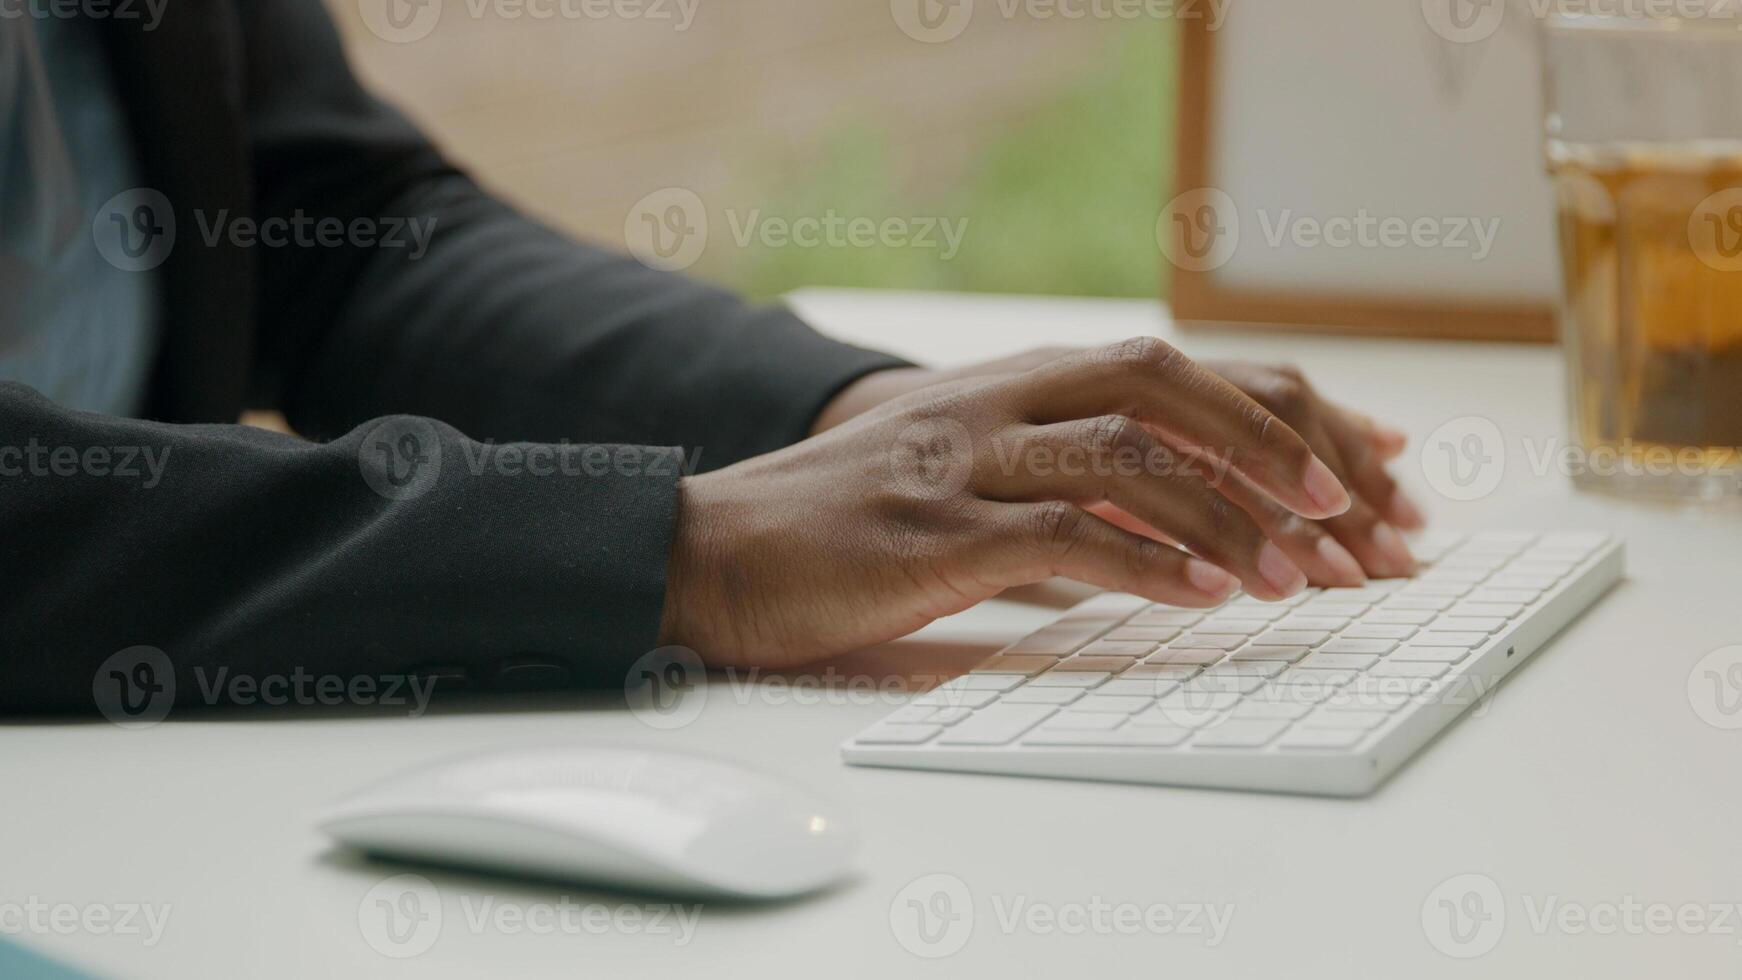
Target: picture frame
x,y
1300,146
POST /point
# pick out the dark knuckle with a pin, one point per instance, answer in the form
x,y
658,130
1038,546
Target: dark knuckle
x,y
1145,354
1056,524
1110,432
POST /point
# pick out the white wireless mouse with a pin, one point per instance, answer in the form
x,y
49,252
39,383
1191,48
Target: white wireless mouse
x,y
645,820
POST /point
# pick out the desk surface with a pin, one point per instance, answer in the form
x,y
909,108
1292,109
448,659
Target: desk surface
x,y
1590,784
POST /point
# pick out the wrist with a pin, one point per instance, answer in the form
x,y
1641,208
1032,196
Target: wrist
x,y
868,392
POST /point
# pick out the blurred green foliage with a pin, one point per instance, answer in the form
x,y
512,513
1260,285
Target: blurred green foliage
x,y
1062,203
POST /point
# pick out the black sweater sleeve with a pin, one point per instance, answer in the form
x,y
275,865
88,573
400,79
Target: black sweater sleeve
x,y
512,543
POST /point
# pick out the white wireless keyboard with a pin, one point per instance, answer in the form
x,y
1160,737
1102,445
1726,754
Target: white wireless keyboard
x,y
1327,692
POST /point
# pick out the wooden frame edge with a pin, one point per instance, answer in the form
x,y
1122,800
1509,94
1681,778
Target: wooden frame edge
x,y
1198,299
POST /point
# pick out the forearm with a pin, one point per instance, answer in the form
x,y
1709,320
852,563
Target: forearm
x,y
259,555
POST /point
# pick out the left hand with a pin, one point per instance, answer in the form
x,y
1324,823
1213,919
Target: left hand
x,y
1342,551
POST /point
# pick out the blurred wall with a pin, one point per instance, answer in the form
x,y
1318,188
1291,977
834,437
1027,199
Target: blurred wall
x,y
576,119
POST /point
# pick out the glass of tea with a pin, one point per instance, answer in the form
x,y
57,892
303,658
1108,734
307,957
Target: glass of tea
x,y
1645,148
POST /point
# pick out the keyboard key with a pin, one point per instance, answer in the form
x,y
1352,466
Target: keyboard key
x,y
981,682
1023,666
1161,672
1386,687
1467,624
1291,638
1252,668
1440,638
1190,709
1136,650
1376,631
1432,603
1280,654
1197,658
1321,738
1269,710
1312,623
1176,618
950,716
1031,694
1095,721
1108,703
1153,635
1116,605
1336,661
1326,605
1236,683
1321,678
1432,655
1206,641
997,725
948,697
1400,617
1403,668
911,714
1149,689
1503,610
1107,665
1504,595
1530,583
1460,576
1130,736
1374,648
899,734
1242,734
1221,626
1057,640
1351,718
1065,678
1437,587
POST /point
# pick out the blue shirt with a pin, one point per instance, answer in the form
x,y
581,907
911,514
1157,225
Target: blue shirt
x,y
72,325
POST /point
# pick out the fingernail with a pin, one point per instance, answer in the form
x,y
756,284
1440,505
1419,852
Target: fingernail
x,y
1209,579
1279,573
1393,549
1326,490
1405,512
1341,562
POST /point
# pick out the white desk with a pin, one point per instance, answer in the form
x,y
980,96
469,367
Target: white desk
x,y
1590,779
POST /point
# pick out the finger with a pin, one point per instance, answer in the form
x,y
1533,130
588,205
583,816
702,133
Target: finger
x,y
1025,543
1151,381
1362,529
1125,522
1307,543
1364,470
1112,459
1388,442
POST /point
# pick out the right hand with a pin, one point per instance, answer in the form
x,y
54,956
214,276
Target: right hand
x,y
930,503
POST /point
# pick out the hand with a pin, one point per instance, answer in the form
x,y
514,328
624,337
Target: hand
x,y
929,503
1342,552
